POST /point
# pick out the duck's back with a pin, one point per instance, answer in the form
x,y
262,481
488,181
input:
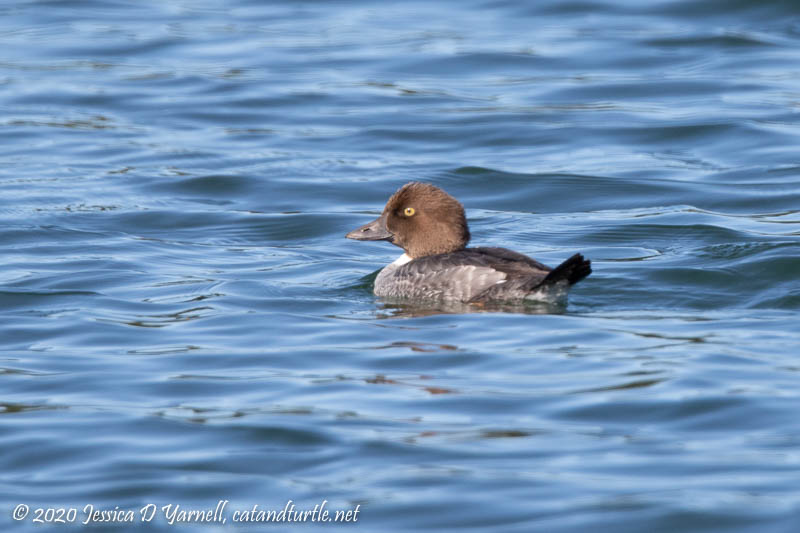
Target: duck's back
x,y
477,274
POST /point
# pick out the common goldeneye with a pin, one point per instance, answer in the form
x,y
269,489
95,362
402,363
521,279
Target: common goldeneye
x,y
430,226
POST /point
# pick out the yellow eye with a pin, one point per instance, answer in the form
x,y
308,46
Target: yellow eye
x,y
409,211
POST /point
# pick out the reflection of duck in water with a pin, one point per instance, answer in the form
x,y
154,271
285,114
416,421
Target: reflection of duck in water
x,y
430,226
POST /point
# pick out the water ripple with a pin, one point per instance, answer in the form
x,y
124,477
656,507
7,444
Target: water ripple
x,y
183,321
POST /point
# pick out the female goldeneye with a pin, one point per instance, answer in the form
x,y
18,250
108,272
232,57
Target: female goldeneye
x,y
430,226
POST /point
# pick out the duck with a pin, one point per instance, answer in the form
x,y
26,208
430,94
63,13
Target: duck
x,y
431,228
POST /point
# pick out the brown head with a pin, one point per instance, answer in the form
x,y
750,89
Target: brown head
x,y
420,218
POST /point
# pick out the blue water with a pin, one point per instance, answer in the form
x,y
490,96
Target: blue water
x,y
182,321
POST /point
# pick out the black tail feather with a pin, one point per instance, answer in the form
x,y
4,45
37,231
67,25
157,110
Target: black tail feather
x,y
572,270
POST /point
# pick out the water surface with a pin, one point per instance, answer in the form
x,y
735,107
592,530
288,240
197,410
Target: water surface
x,y
183,321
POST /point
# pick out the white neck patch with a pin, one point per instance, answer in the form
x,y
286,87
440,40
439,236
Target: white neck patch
x,y
402,260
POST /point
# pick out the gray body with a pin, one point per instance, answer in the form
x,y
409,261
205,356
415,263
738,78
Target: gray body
x,y
470,275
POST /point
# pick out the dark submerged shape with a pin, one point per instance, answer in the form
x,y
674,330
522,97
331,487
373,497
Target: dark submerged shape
x,y
431,227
